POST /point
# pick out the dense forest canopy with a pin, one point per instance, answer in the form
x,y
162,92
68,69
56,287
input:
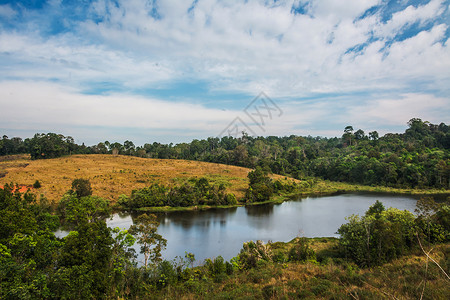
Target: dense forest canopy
x,y
419,157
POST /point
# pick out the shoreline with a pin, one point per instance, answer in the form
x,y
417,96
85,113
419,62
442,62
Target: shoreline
x,y
332,188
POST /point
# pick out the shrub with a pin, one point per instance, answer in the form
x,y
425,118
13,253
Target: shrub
x,y
36,184
252,252
301,251
167,274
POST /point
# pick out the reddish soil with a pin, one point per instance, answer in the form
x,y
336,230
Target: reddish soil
x,y
22,188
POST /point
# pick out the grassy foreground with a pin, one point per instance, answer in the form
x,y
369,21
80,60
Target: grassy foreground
x,y
409,277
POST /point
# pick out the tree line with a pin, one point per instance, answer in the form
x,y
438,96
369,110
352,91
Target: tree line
x,y
417,158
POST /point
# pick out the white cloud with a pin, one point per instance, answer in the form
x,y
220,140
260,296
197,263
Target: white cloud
x,y
234,45
401,109
244,46
50,104
339,10
409,16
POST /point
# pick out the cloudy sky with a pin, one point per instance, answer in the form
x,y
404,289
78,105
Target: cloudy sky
x,y
175,70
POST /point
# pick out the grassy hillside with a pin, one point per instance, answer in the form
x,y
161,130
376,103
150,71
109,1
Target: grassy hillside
x,y
112,176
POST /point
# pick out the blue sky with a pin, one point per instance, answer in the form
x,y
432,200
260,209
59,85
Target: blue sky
x,y
172,71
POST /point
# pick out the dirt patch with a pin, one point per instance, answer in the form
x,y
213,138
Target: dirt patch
x,y
20,188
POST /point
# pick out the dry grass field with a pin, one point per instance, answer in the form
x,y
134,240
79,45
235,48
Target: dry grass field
x,y
111,176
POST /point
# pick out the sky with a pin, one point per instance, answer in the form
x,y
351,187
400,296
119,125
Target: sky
x,y
178,70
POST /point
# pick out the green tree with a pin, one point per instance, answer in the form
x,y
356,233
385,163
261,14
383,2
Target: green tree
x,y
348,135
82,187
86,257
145,228
88,209
373,135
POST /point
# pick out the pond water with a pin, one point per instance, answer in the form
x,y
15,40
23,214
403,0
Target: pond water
x,y
215,232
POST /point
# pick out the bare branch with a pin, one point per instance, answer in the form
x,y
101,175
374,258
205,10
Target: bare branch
x,y
448,277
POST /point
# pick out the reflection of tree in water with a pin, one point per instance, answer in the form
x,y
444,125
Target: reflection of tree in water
x,y
259,210
201,219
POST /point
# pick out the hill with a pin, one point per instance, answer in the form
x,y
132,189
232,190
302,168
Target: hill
x,y
113,175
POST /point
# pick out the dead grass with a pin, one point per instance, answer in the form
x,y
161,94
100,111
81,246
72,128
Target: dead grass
x,y
111,176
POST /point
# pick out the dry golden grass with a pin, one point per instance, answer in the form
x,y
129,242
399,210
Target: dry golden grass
x,y
111,176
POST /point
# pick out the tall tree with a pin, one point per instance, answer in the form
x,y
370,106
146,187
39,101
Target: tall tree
x,y
152,243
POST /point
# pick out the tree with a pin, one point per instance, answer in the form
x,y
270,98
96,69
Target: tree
x,y
152,243
85,256
36,184
373,135
348,135
376,209
359,134
129,147
260,187
76,210
82,187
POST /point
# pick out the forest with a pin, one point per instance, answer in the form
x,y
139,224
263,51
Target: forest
x,y
417,158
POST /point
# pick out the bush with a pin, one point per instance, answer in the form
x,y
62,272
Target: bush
x,y
301,251
167,275
260,187
231,199
382,235
36,184
252,252
217,268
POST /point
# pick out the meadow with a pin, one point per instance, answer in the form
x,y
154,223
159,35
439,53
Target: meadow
x,y
113,175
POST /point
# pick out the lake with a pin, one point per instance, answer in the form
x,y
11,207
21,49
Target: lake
x,y
215,232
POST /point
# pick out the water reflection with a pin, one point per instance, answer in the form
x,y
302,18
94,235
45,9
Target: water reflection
x,y
198,220
259,210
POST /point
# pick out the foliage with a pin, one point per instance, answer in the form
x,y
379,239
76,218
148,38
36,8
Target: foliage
x,y
252,253
433,220
96,262
152,243
382,235
191,193
82,187
301,251
87,209
36,184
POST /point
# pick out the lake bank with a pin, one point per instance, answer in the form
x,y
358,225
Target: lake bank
x,y
321,188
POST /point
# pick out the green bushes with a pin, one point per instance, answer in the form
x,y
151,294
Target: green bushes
x,y
301,251
191,193
252,253
382,235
